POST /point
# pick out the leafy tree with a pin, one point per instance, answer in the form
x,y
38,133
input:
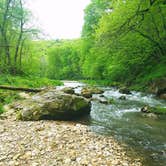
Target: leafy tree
x,y
128,39
64,60
14,35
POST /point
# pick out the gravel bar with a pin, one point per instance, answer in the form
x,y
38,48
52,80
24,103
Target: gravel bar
x,y
58,143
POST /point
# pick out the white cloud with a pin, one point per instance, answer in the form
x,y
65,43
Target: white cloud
x,y
59,18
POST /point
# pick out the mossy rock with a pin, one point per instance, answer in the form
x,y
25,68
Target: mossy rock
x,y
68,90
122,97
53,105
124,90
87,92
155,110
163,96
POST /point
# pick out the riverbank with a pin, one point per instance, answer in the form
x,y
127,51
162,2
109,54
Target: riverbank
x,y
28,81
155,86
43,143
148,86
120,122
7,96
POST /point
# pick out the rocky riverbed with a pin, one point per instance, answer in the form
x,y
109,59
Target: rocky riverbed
x,y
57,143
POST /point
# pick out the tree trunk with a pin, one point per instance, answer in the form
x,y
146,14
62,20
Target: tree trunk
x,y
19,37
3,30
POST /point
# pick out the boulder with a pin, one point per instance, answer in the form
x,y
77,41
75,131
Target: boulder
x,y
122,97
100,100
87,92
145,109
162,96
158,87
102,95
103,101
54,105
124,90
68,90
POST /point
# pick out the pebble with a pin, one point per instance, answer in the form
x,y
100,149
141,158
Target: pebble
x,y
42,143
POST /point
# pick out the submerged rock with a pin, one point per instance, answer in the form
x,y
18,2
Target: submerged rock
x,y
150,115
124,90
122,97
103,100
89,91
102,95
52,105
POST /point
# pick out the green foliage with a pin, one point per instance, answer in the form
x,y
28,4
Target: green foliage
x,y
14,36
112,101
93,13
101,83
35,82
1,108
64,60
36,62
127,43
7,97
122,41
158,110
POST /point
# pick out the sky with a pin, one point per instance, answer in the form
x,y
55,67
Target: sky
x,y
59,19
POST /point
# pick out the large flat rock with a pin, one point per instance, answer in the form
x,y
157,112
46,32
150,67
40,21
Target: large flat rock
x,y
52,104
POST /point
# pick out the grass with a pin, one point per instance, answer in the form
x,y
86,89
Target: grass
x,y
28,82
158,110
1,108
7,97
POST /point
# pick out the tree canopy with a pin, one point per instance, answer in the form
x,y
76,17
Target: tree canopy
x,y
121,40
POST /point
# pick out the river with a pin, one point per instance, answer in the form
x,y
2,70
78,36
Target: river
x,y
123,120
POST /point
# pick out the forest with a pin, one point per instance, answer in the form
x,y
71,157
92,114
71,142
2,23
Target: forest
x,y
94,100
121,41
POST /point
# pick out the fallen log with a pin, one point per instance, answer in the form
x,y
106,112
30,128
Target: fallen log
x,y
21,88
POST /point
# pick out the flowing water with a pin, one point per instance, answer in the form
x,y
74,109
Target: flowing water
x,y
123,120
